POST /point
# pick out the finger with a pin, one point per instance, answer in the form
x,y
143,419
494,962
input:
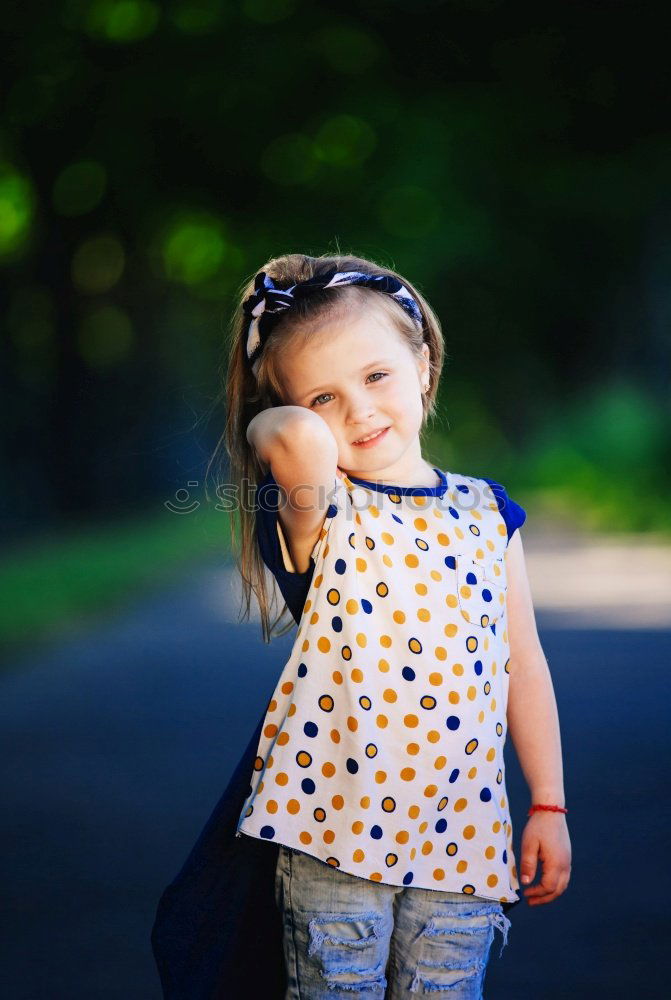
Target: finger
x,y
546,891
541,889
528,865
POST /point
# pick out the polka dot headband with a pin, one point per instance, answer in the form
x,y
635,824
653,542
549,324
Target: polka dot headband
x,y
268,303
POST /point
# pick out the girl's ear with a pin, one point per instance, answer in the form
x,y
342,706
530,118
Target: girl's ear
x,y
424,365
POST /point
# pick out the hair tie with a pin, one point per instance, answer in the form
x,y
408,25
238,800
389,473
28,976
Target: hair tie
x,y
267,302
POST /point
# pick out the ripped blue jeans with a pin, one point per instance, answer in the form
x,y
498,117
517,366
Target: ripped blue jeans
x,y
346,936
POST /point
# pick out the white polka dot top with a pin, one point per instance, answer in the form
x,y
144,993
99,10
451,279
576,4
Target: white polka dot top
x,y
381,752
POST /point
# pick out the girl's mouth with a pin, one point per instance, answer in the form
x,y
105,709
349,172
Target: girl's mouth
x,y
369,441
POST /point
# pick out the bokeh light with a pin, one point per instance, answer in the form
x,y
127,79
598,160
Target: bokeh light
x,y
347,49
16,211
105,336
122,20
344,140
79,187
193,249
98,264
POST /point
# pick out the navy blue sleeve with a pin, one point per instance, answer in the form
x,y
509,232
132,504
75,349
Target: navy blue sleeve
x,y
511,512
294,587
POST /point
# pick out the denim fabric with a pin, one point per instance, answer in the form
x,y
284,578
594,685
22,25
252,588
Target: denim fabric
x,y
345,936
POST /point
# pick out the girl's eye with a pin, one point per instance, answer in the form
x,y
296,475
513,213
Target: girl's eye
x,y
372,374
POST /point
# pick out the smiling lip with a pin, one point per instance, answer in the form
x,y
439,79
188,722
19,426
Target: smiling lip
x,y
373,440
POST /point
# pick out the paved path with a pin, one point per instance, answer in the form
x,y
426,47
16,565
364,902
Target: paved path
x,y
117,744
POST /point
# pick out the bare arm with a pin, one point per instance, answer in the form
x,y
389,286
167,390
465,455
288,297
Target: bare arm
x,y
302,454
264,429
533,723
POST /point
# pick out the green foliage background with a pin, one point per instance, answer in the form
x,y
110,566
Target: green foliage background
x,y
511,160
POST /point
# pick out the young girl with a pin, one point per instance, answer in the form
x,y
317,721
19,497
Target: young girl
x,y
377,768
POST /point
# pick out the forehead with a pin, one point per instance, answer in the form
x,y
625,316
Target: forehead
x,y
342,347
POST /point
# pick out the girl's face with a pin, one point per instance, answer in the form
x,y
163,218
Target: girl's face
x,y
361,377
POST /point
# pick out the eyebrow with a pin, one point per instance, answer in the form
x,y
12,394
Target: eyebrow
x,y
383,362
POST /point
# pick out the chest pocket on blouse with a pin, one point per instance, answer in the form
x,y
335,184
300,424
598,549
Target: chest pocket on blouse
x,y
481,589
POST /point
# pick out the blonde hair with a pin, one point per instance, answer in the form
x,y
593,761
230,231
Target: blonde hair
x,y
246,395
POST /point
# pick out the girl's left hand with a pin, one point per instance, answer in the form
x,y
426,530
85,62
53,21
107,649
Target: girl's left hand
x,y
545,838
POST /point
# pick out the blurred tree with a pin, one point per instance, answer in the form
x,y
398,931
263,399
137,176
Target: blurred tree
x,y
153,155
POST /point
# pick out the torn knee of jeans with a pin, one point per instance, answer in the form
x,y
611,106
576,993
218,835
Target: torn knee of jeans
x,y
373,980
484,916
349,930
450,975
340,939
456,947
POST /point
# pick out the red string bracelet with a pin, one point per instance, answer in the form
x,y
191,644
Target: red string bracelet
x,y
559,809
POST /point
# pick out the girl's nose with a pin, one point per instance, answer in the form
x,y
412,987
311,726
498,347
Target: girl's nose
x,y
360,412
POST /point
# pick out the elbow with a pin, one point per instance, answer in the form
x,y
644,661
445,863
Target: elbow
x,y
307,433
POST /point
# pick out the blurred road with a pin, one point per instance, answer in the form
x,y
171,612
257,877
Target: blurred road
x,y
117,744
